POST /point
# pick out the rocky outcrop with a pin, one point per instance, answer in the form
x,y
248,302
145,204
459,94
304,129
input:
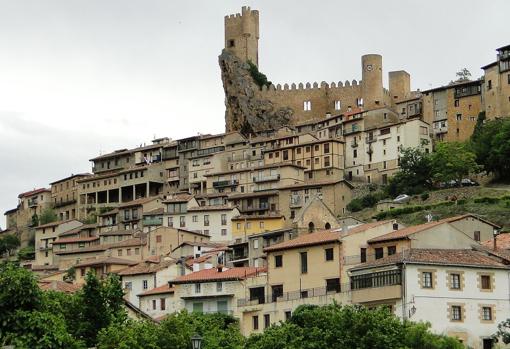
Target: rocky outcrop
x,y
244,111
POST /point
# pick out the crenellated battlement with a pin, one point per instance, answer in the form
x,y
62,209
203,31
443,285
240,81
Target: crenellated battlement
x,y
245,11
313,86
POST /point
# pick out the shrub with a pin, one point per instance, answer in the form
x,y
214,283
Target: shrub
x,y
355,205
424,196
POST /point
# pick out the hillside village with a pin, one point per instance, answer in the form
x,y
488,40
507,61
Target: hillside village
x,y
253,222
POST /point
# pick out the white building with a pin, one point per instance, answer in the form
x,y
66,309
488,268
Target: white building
x,y
214,221
462,293
159,302
147,275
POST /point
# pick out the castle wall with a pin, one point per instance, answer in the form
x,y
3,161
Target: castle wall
x,y
242,34
400,85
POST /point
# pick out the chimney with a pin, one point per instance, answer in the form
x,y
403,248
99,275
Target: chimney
x,y
495,234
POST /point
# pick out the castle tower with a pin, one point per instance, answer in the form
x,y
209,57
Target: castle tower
x,y
372,82
242,34
400,85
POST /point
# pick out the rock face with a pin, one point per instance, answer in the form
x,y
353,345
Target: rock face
x,y
244,110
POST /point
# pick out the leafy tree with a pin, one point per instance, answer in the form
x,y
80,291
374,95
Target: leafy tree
x,y
26,253
129,335
463,75
453,161
503,331
415,173
48,216
491,144
70,275
8,243
35,220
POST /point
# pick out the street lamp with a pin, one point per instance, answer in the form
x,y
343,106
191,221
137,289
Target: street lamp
x,y
196,342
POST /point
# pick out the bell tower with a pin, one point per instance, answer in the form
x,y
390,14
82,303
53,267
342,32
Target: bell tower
x,y
242,35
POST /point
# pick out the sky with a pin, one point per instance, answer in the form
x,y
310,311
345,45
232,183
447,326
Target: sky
x,y
83,77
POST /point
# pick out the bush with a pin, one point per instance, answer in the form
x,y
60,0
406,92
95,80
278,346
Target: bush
x,y
424,196
410,209
355,205
259,78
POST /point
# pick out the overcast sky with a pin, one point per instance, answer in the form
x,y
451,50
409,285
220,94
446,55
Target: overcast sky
x,y
81,77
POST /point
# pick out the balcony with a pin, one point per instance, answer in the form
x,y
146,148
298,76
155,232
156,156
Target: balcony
x,y
296,201
245,157
32,202
376,294
223,184
443,129
269,178
64,203
173,179
376,286
354,143
155,221
372,139
261,207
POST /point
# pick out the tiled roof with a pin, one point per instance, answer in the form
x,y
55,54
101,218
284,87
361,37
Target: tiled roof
x,y
183,197
77,239
156,211
138,202
44,267
404,233
71,177
109,213
464,257
200,243
148,266
212,208
311,239
54,224
61,286
119,232
158,290
127,243
253,195
318,183
213,274
78,229
255,217
33,192
105,260
502,242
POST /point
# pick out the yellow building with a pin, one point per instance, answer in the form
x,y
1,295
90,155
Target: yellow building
x,y
244,225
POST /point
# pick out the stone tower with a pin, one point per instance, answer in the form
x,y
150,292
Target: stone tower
x,y
372,81
400,85
242,35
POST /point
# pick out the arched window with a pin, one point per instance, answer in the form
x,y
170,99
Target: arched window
x,y
311,227
327,226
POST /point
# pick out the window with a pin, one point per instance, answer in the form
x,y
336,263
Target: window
x,y
288,314
158,239
223,219
128,285
153,304
459,117
486,313
392,250
455,281
426,279
326,161
456,102
162,303
238,226
194,219
171,222
304,262
333,285
145,284
355,153
128,252
255,322
326,148
338,105
379,253
285,155
363,255
206,220
456,313
267,320
219,286
255,244
119,253
307,105
198,307
198,288
137,251
223,232
489,85
477,235
278,261
231,43
385,131
182,221
329,254
485,282
261,225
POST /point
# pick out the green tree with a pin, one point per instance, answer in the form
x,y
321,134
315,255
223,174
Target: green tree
x,y
129,335
48,215
415,174
463,75
8,243
491,144
259,78
453,161
26,253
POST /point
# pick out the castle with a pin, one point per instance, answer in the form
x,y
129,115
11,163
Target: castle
x,y
309,101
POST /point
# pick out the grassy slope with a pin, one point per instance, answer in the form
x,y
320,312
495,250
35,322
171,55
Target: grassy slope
x,y
498,213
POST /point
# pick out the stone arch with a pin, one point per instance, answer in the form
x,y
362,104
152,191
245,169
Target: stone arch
x,y
327,226
311,227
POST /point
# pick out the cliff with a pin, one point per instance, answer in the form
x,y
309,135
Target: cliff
x,y
244,110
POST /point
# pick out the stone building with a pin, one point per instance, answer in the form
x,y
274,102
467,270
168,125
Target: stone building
x,y
496,85
64,196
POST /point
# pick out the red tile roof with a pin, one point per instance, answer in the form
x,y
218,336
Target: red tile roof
x,y
54,224
105,260
183,197
158,290
127,243
213,274
464,257
94,248
148,266
211,208
363,227
311,239
502,242
77,239
406,232
61,286
34,192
